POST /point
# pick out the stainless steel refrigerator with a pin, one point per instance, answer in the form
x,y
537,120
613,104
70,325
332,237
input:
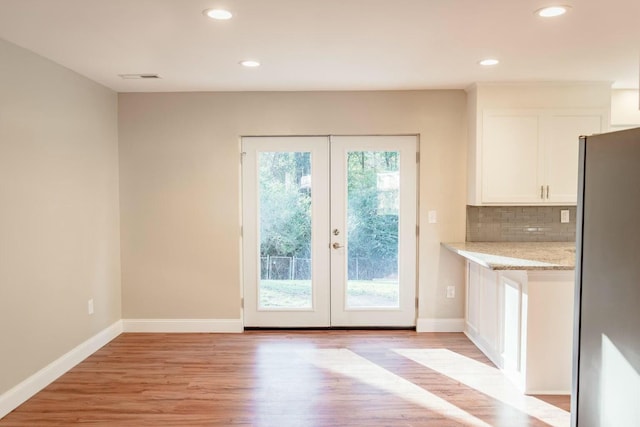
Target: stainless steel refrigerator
x,y
606,368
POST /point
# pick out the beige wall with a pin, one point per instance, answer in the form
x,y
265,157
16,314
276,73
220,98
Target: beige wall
x,y
59,214
180,188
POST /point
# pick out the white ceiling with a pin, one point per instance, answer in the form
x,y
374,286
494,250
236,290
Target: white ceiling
x,y
329,44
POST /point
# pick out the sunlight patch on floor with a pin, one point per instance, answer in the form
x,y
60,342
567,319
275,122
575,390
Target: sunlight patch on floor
x,y
344,362
487,380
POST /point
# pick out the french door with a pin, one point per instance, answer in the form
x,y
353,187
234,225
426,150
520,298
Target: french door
x,y
329,231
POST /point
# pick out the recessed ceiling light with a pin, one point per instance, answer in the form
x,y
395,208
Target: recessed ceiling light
x,y
551,11
219,14
489,61
139,76
249,63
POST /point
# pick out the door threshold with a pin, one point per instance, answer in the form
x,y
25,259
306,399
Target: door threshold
x,y
332,328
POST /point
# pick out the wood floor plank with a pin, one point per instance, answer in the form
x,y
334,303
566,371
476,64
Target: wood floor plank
x,y
287,378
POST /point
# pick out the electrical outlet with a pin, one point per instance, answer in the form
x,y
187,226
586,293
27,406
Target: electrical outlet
x,y
451,291
90,306
432,217
564,216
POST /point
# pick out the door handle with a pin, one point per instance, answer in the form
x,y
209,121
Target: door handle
x,y
337,245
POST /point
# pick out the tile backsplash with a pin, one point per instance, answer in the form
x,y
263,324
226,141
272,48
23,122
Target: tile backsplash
x,y
520,224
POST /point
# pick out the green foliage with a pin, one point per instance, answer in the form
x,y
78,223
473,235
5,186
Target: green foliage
x,y
372,231
285,226
285,204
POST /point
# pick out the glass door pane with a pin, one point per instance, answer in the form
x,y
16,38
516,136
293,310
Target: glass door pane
x,y
285,230
373,202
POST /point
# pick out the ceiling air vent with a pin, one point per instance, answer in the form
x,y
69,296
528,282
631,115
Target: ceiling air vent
x,y
140,76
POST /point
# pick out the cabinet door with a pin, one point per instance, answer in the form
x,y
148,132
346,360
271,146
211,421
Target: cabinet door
x,y
511,166
472,305
488,320
511,323
561,135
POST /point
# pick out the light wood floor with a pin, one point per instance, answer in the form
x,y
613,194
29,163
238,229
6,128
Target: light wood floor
x,y
287,378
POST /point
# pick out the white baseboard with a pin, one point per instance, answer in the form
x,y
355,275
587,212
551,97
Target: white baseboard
x,y
183,325
547,392
440,325
17,395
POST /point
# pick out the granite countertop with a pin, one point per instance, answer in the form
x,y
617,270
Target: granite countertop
x,y
518,255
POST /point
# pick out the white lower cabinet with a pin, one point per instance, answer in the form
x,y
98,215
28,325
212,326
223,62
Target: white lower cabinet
x,y
482,308
523,322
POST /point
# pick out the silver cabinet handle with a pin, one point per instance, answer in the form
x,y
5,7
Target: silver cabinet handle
x,y
542,192
547,191
337,245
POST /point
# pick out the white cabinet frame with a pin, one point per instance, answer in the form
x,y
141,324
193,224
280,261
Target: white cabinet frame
x,y
530,156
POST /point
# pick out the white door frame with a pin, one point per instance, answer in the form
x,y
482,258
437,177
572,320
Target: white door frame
x,y
328,307
405,313
318,314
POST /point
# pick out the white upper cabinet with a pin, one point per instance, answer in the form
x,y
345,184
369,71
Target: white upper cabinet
x,y
561,151
529,156
624,109
511,157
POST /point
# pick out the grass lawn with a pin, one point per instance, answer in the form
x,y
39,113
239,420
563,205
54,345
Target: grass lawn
x,y
297,293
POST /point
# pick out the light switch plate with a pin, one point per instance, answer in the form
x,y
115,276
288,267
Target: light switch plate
x,y
564,216
432,217
451,291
